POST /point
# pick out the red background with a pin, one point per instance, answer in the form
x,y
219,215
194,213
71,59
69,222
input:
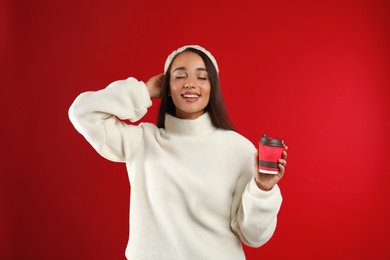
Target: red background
x,y
314,73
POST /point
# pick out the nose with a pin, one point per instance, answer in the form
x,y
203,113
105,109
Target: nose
x,y
190,82
187,85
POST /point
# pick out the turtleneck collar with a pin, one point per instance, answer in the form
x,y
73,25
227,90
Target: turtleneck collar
x,y
189,127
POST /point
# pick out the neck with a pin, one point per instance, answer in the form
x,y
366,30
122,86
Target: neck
x,y
199,126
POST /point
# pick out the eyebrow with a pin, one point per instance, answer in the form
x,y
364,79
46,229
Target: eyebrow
x,y
183,68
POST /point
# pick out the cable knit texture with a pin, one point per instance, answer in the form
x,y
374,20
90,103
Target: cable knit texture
x,y
193,195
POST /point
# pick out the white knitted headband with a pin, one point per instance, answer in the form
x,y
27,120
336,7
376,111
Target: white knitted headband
x,y
181,49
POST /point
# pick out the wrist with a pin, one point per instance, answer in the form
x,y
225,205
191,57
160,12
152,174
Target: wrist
x,y
262,187
149,89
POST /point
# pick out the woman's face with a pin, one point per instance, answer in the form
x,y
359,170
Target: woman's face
x,y
189,85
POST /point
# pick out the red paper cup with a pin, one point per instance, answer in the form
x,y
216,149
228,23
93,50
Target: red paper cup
x,y
270,151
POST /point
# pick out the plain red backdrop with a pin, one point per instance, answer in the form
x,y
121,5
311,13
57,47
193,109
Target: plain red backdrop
x,y
314,73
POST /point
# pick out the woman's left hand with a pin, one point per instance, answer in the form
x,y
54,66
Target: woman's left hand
x,y
267,181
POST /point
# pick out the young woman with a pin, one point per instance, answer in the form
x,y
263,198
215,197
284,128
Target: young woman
x,y
196,192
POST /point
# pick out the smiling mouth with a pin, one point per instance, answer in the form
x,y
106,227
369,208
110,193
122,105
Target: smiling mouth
x,y
190,96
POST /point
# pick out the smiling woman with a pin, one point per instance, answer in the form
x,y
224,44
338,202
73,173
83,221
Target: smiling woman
x,y
216,107
192,163
189,85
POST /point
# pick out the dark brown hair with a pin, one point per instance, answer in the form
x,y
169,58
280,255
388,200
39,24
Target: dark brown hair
x,y
216,106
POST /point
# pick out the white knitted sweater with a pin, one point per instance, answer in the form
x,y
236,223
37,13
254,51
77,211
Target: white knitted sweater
x,y
193,195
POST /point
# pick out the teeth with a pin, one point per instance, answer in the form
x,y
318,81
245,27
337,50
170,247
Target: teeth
x,y
190,96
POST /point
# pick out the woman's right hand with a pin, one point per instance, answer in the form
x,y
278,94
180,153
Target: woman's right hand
x,y
154,86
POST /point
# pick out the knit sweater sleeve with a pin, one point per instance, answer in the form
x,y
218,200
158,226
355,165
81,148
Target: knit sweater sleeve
x,y
95,115
254,211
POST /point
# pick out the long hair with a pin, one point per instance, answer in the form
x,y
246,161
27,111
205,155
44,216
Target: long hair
x,y
216,106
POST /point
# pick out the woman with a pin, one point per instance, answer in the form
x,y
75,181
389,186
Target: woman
x,y
195,188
